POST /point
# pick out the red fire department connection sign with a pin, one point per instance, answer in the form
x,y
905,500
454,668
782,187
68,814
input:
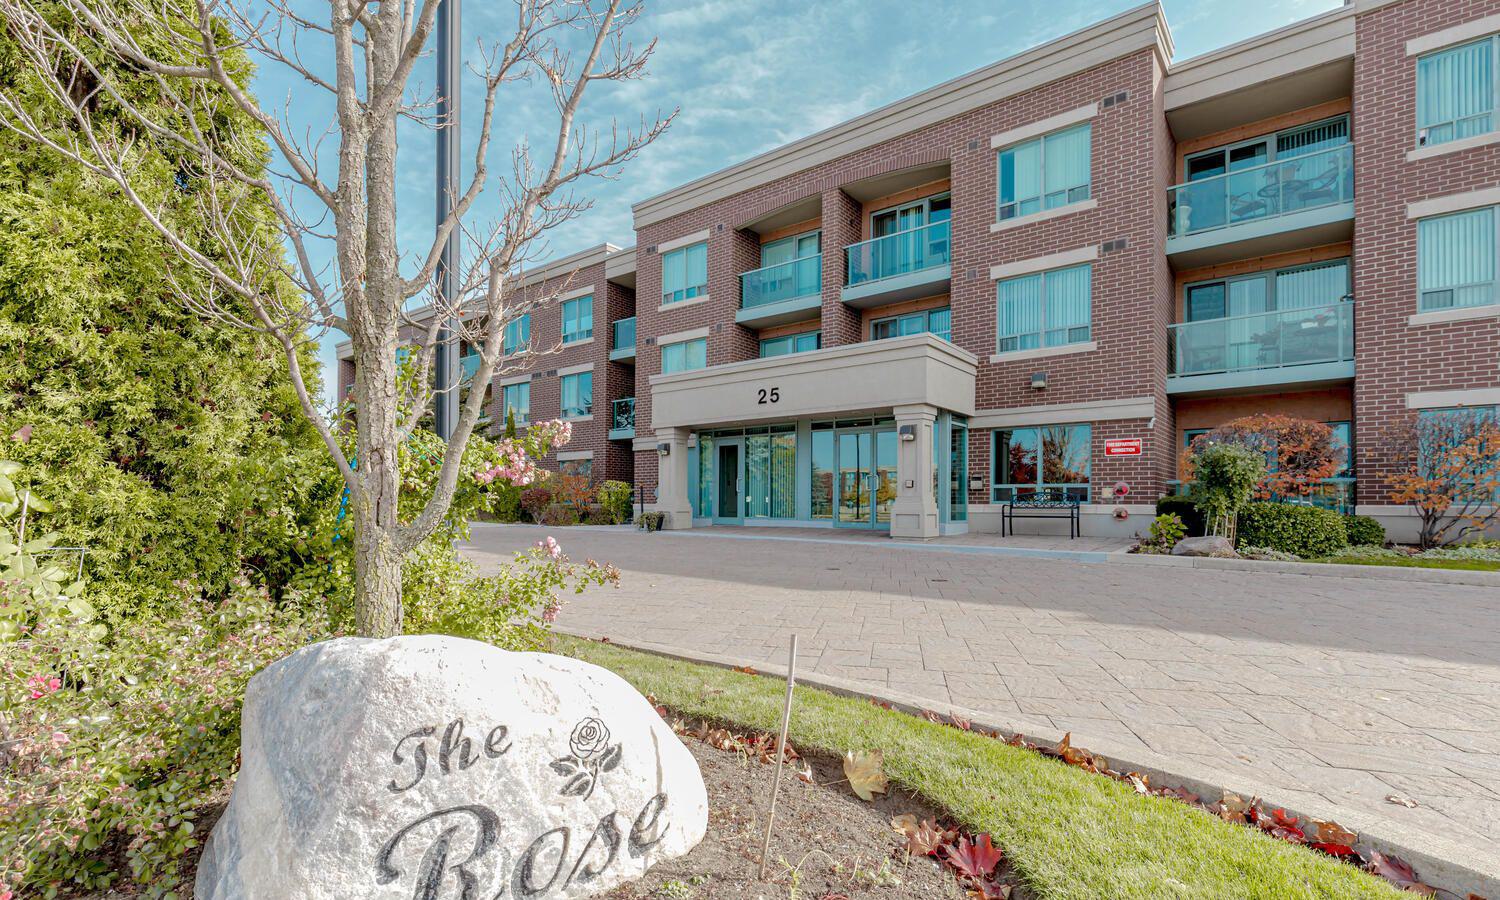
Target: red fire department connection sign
x,y
1123,447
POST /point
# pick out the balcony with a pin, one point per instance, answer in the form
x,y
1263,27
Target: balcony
x,y
468,365
622,340
1283,205
901,266
622,419
1291,346
780,294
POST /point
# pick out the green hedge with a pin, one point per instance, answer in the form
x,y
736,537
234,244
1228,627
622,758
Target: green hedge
x,y
1184,509
1308,531
1364,531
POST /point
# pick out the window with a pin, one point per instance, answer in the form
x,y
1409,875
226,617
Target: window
x,y
1443,432
517,334
791,343
684,356
1456,92
927,211
578,319
1456,260
577,395
776,253
581,468
932,321
1045,172
517,399
1048,309
1053,457
684,273
1301,287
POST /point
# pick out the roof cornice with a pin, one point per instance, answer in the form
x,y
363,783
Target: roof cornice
x,y
1141,28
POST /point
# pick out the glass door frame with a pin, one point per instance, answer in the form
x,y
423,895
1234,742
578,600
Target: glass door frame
x,y
738,516
868,472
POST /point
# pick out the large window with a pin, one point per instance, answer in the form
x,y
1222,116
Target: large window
x,y
1456,91
1456,260
1045,172
517,399
517,334
577,319
932,321
791,343
1048,309
579,468
1300,287
1052,457
684,356
1444,431
684,273
577,395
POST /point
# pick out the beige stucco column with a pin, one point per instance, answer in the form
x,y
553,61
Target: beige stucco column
x,y
915,512
672,478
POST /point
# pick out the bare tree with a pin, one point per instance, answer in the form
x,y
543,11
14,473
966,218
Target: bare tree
x,y
161,66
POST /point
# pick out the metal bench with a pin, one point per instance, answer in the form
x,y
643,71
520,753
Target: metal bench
x,y
1050,504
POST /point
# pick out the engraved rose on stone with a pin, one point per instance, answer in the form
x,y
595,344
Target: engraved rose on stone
x,y
590,754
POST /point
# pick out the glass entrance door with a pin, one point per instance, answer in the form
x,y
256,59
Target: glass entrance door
x,y
729,479
866,483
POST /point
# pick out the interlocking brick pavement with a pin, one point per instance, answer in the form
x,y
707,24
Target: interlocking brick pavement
x,y
1352,690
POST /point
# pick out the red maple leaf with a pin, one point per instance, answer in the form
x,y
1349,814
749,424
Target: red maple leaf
x,y
976,857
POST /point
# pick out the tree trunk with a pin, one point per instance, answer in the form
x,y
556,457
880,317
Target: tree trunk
x,y
377,583
377,559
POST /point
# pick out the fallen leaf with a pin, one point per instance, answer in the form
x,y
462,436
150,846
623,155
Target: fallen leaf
x,y
804,772
931,716
905,823
976,857
865,771
746,670
1324,835
1397,799
1234,808
1398,872
961,723
1140,782
988,890
22,434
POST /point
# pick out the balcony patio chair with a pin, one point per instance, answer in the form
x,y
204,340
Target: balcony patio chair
x,y
1247,206
1322,189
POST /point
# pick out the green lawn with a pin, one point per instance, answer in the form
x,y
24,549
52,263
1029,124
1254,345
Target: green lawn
x,y
1068,833
1467,565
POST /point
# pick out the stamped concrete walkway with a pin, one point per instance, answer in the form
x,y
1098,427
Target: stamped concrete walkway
x,y
1346,690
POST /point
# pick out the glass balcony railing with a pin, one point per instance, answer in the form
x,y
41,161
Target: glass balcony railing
x,y
622,414
467,366
1287,337
786,281
624,334
900,253
1267,191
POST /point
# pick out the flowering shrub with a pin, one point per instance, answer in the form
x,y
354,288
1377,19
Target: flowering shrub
x,y
1166,530
118,742
513,608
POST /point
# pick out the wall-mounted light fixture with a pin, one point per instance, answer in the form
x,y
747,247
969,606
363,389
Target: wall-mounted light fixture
x,y
664,449
908,432
1038,380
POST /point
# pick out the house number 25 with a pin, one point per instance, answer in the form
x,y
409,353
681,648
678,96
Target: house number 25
x,y
773,395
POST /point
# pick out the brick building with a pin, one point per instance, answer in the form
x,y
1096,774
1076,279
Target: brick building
x,y
1049,275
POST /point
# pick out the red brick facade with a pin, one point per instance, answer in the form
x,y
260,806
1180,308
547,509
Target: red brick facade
x,y
1394,357
1135,293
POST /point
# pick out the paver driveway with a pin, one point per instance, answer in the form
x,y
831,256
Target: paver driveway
x,y
1353,689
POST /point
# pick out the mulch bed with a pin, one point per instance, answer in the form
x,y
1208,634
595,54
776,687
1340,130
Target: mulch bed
x,y
828,844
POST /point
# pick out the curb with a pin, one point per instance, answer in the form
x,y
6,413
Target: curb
x,y
1438,862
1326,570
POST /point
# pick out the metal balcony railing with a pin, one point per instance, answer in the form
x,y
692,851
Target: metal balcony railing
x,y
1266,191
898,254
623,334
622,414
784,281
1271,340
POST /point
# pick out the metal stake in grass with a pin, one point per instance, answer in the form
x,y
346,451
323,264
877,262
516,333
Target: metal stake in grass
x,y
786,721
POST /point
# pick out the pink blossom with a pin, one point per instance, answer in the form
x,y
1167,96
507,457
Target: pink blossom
x,y
551,547
549,614
41,686
60,739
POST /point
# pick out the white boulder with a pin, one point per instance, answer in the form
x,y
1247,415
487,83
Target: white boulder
x,y
437,768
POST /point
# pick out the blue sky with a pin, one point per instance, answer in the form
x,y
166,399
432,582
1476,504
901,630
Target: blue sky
x,y
747,82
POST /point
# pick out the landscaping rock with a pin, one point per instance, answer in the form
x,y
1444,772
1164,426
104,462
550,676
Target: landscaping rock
x,y
1216,547
437,768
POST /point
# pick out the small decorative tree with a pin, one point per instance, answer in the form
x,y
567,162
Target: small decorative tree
x,y
1227,475
1449,472
1304,452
